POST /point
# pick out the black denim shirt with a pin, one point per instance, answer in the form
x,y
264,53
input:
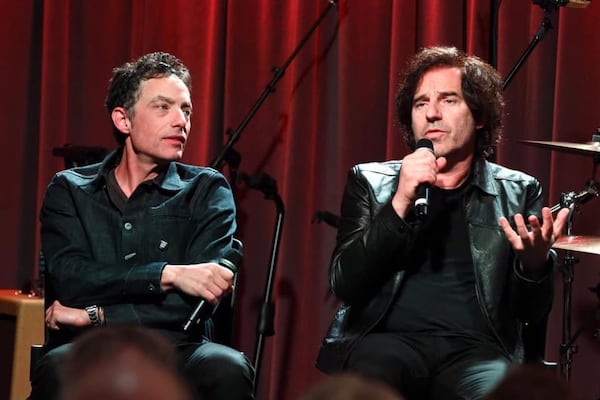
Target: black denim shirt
x,y
96,254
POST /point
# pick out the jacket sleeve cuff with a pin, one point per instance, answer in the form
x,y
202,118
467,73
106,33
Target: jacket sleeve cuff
x,y
392,221
144,279
547,272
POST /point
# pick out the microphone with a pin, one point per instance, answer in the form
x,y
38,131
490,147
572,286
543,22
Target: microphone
x,y
422,200
204,309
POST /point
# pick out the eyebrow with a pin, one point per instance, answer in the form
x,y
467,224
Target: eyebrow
x,y
168,100
443,94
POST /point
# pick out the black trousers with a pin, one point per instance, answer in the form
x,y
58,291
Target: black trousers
x,y
214,371
430,367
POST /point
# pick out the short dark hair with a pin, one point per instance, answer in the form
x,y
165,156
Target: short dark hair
x,y
481,86
96,346
351,386
99,356
531,382
124,87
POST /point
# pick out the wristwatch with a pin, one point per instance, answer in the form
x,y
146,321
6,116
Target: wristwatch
x,y
92,312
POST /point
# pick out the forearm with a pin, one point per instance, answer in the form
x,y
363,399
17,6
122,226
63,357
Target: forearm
x,y
368,254
78,282
533,283
171,311
532,299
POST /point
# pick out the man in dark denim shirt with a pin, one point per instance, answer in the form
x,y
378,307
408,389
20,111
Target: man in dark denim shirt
x,y
135,240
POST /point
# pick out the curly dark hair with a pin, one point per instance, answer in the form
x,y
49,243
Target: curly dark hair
x,y
124,87
481,87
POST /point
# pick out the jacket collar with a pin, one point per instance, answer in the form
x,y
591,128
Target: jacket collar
x,y
483,177
168,179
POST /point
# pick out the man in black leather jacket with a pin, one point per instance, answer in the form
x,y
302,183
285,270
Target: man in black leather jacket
x,y
135,240
434,304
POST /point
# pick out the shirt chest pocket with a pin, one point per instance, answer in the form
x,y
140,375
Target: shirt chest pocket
x,y
163,237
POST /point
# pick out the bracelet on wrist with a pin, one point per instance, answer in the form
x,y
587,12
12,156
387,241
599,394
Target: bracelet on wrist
x,y
92,312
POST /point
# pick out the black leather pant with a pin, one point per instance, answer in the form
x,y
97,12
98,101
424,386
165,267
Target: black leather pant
x,y
212,370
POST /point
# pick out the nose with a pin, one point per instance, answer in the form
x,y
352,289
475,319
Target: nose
x,y
433,112
181,118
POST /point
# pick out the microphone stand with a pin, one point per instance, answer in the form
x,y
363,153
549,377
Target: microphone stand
x,y
548,6
539,35
268,187
278,73
493,52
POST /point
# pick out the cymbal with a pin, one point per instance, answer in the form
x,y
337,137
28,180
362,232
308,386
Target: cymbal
x,y
584,244
589,148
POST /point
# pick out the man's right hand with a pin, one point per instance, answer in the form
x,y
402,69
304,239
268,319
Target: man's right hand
x,y
417,168
58,316
210,281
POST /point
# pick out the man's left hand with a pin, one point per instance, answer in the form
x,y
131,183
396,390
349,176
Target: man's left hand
x,y
532,246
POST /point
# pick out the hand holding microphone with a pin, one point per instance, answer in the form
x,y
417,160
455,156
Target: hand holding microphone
x,y
205,309
417,174
422,200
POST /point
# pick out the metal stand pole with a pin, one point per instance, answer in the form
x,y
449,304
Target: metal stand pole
x,y
268,187
278,73
571,200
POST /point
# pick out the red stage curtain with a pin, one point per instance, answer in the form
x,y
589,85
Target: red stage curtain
x,y
332,108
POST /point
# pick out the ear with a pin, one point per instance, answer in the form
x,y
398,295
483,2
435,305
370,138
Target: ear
x,y
120,120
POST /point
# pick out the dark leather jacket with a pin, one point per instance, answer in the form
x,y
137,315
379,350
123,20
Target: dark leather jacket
x,y
367,270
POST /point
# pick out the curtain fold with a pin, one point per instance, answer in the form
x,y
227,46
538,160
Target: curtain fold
x,y
331,109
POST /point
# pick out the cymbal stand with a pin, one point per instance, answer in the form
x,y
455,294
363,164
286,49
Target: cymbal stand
x,y
568,199
567,348
572,201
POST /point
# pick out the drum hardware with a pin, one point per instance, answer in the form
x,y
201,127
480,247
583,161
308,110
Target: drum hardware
x,y
584,244
596,314
570,243
568,348
577,199
589,148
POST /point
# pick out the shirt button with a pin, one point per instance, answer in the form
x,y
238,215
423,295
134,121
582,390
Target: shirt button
x,y
151,287
128,226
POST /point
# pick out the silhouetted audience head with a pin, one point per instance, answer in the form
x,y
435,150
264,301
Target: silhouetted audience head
x,y
347,386
531,382
121,363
